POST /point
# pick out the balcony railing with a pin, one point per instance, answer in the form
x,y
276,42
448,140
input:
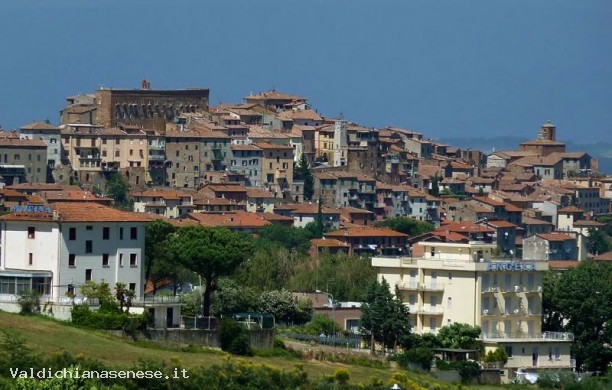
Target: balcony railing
x,y
431,310
561,336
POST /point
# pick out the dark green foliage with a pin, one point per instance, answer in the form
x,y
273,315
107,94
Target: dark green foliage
x,y
552,320
320,324
426,340
302,172
15,353
384,317
284,307
159,263
420,357
458,335
598,242
345,277
497,356
582,297
406,225
231,297
210,253
435,185
289,237
107,319
234,337
468,370
118,189
269,268
29,302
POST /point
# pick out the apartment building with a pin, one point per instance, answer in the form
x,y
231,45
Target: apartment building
x,y
462,282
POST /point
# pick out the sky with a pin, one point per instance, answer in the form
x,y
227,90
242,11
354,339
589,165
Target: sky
x,y
446,68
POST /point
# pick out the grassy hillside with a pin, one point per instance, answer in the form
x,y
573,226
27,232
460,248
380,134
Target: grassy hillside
x,y
46,337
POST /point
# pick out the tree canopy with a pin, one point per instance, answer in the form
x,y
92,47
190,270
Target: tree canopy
x,y
406,225
581,298
210,253
384,317
118,189
459,335
302,172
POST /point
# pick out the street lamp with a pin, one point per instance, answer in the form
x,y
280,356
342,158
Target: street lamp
x,y
333,310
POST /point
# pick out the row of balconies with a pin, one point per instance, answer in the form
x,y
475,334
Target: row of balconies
x,y
414,286
512,289
436,310
511,312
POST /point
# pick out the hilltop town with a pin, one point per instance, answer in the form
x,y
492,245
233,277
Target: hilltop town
x,y
76,198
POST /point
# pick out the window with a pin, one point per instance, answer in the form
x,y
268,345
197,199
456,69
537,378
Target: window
x,y
70,290
133,260
88,275
133,233
132,286
72,260
31,231
509,351
105,260
449,303
88,227
117,154
121,233
72,234
120,259
105,233
30,259
88,246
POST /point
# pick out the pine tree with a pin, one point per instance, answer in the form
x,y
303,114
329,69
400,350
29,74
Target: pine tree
x,y
302,172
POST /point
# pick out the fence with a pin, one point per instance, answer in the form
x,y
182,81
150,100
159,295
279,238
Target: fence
x,y
351,341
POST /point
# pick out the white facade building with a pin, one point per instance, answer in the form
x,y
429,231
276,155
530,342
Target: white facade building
x,y
55,251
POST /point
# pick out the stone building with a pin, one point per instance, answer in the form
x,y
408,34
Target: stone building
x,y
23,160
50,135
546,143
247,159
144,107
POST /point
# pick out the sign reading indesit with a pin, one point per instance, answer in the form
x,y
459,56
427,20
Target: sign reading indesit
x,y
511,266
31,209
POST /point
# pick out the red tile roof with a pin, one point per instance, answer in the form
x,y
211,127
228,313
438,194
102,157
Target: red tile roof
x,y
80,212
555,237
365,232
571,209
234,219
328,242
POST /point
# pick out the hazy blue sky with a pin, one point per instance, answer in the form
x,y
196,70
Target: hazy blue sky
x,y
445,68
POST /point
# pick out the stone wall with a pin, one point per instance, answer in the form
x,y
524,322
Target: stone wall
x,y
260,338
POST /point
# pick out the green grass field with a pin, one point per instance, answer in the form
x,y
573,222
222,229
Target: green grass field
x,y
46,336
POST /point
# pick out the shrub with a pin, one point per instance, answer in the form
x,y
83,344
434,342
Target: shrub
x,y
234,337
342,376
499,355
107,319
29,303
467,370
420,357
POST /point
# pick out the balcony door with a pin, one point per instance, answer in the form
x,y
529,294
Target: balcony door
x,y
413,281
535,357
434,280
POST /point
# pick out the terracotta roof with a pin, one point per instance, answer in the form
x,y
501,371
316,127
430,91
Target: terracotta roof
x,y
464,227
225,188
22,143
275,217
555,237
571,209
365,232
312,208
355,210
274,95
80,212
72,196
588,223
542,142
562,264
158,193
258,193
43,187
237,219
244,147
300,114
328,242
39,126
450,236
604,257
489,201
7,192
534,221
501,224
512,208
268,145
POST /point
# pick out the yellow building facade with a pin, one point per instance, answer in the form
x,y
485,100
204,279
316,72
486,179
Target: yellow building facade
x,y
462,283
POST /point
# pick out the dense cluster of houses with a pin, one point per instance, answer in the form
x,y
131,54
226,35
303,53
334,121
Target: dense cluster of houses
x,y
232,165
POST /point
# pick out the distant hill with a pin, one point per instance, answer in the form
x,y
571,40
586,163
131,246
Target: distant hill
x,y
600,151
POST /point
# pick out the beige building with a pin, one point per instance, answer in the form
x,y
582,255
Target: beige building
x,y
462,283
23,160
277,167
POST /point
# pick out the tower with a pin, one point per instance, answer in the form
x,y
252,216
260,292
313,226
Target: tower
x,y
340,143
548,132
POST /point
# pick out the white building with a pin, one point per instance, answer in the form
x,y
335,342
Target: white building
x,y
462,283
54,251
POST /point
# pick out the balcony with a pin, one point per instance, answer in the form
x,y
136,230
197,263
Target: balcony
x,y
490,290
436,310
280,174
561,336
89,157
409,286
431,287
490,312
